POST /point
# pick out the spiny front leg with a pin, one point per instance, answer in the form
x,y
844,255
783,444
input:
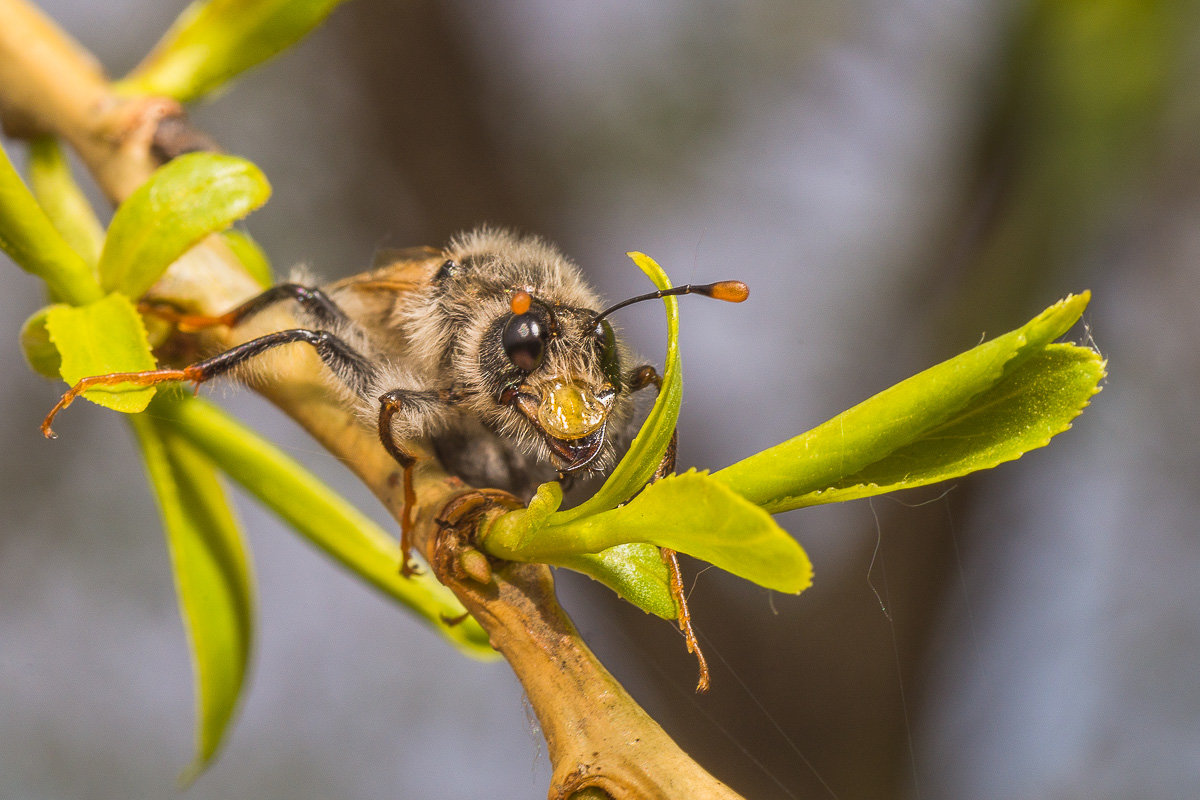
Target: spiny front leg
x,y
404,411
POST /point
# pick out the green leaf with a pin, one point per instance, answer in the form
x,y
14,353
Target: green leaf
x,y
509,532
319,515
63,200
31,240
635,571
1033,403
251,255
691,513
646,452
40,353
99,338
212,576
212,42
183,201
902,436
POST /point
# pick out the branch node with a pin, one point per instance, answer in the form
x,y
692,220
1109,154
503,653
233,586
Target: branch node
x,y
175,135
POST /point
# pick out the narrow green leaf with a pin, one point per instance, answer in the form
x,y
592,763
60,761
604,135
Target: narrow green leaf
x,y
185,200
30,239
691,513
212,576
213,41
635,571
99,338
251,255
40,353
319,515
1033,403
646,452
63,200
895,418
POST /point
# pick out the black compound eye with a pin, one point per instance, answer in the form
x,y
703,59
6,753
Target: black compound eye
x,y
524,341
604,335
606,340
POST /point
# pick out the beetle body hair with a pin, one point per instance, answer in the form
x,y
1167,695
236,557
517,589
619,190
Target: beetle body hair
x,y
442,339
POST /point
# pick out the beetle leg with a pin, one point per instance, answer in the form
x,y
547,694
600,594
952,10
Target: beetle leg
x,y
644,376
685,616
666,467
640,378
313,300
411,404
346,362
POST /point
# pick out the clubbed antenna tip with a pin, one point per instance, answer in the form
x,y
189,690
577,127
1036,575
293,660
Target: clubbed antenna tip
x,y
729,291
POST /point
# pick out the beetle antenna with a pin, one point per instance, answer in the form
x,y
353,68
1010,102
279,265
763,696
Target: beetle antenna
x,y
729,291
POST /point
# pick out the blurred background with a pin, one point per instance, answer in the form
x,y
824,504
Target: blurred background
x,y
895,179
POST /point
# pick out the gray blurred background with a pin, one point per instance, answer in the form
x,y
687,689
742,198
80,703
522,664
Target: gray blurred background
x,y
894,179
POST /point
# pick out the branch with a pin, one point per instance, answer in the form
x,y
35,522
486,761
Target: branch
x,y
597,736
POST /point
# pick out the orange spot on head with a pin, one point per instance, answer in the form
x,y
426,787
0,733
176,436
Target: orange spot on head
x,y
521,301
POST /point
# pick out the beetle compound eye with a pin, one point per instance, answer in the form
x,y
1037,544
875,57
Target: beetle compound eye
x,y
524,341
606,341
604,335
